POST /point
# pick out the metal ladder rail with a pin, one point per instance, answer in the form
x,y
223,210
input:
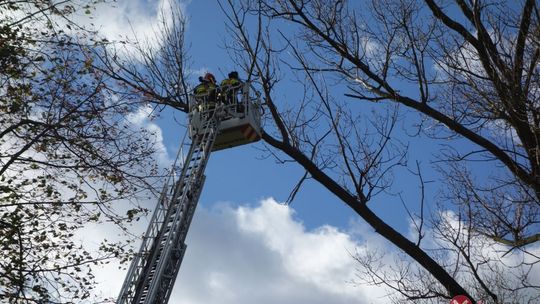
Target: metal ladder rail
x,y
146,265
172,265
166,286
169,261
140,260
159,242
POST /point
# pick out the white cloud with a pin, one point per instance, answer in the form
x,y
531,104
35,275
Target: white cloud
x,y
129,19
142,119
485,249
320,257
263,255
501,267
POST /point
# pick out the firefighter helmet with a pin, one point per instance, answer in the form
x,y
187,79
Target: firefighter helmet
x,y
210,78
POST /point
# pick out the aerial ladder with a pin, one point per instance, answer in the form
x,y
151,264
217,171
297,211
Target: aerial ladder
x,y
153,270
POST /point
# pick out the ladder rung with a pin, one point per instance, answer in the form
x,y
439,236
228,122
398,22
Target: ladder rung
x,y
162,254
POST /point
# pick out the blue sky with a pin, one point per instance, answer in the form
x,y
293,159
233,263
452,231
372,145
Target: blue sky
x,y
244,246
241,175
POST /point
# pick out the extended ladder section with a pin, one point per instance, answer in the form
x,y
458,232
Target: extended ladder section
x,y
154,269
231,119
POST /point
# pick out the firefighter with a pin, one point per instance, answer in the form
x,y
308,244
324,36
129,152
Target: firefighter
x,y
206,92
230,88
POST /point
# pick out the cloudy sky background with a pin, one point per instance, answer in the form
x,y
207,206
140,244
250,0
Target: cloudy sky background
x,y
253,250
244,245
264,254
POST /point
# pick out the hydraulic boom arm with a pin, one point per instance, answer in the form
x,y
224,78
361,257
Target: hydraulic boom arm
x,y
152,273
236,116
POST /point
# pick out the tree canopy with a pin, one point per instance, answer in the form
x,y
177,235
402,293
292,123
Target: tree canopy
x,y
67,153
465,73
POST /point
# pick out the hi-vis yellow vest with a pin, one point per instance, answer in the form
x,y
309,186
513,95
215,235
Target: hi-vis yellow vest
x,y
229,82
204,88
